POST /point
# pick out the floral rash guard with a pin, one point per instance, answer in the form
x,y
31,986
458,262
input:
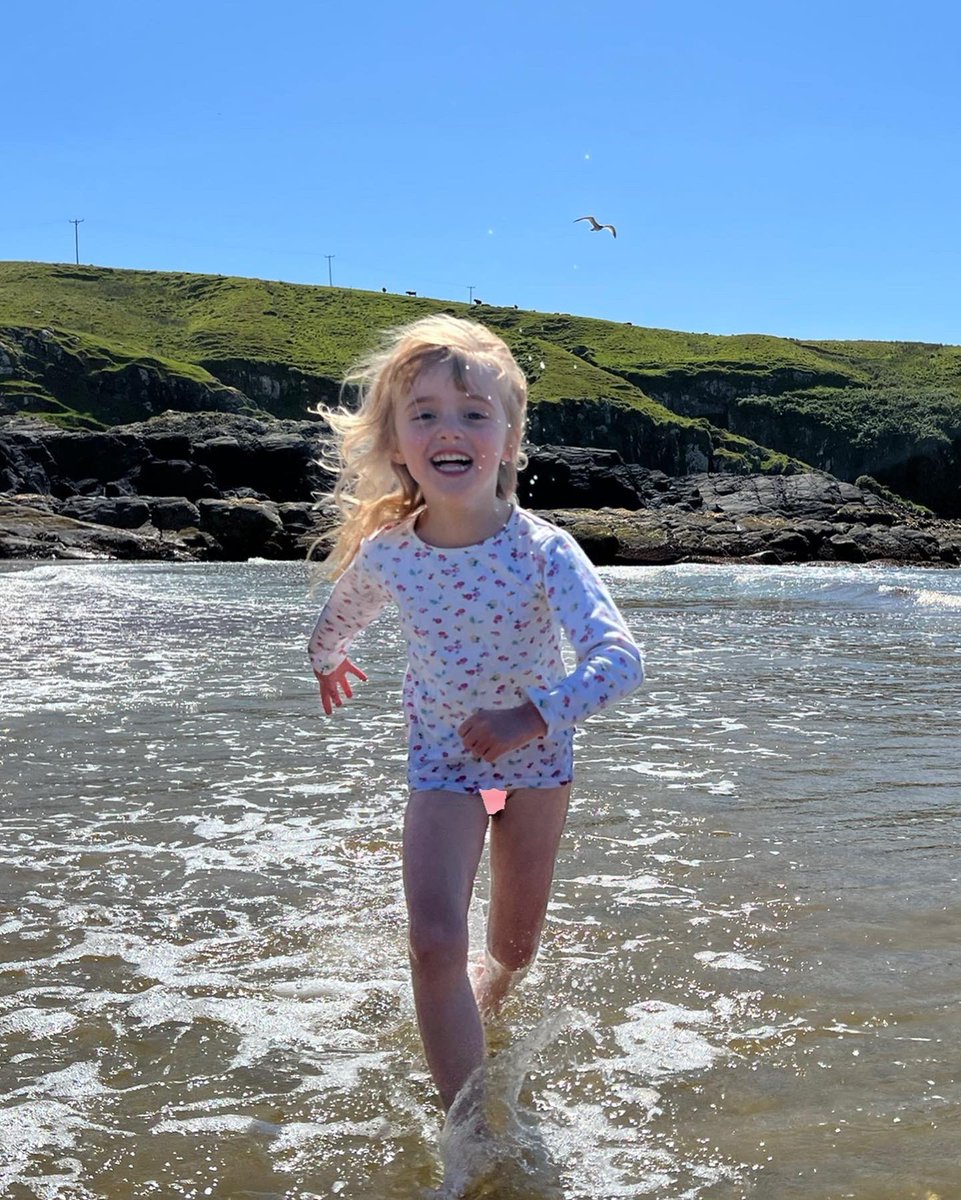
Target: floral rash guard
x,y
483,629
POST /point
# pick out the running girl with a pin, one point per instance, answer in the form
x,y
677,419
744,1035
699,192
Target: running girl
x,y
427,493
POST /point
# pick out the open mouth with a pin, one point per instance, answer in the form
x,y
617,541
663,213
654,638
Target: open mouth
x,y
451,464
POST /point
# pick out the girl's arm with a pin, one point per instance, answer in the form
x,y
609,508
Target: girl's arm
x,y
357,597
609,661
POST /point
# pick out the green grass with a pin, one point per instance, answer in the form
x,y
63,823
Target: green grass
x,y
193,318
868,416
199,331
194,323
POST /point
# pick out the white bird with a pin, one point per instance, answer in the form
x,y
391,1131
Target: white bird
x,y
596,225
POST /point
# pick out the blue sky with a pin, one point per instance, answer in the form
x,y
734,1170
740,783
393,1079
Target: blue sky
x,y
777,167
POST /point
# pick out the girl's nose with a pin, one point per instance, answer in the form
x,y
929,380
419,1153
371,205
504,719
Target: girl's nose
x,y
448,427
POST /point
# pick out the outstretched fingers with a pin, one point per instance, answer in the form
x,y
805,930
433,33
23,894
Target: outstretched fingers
x,y
335,685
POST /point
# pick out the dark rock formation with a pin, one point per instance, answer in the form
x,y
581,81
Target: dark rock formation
x,y
193,455
229,486
124,512
224,486
927,469
172,512
244,527
632,434
30,529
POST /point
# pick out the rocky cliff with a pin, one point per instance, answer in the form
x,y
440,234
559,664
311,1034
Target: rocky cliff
x,y
93,347
220,486
175,410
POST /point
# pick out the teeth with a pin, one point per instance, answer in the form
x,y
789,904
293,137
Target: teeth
x,y
450,458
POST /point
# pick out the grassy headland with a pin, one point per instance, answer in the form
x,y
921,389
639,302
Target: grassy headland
x,y
95,346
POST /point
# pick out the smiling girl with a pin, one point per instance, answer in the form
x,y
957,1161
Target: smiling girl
x,y
427,492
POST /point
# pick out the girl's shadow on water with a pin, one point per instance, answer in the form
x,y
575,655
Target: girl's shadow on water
x,y
490,1146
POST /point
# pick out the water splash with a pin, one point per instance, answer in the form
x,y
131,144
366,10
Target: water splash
x,y
491,1146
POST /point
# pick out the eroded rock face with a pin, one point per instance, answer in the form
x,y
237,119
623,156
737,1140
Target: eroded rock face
x,y
122,512
230,486
221,486
194,455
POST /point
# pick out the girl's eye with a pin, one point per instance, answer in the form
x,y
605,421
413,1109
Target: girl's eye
x,y
422,416
476,415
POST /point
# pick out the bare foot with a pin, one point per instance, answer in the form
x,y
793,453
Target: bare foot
x,y
490,982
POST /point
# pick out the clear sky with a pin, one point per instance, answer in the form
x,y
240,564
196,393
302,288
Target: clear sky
x,y
774,166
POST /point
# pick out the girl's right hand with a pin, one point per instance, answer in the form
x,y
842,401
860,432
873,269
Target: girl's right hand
x,y
335,682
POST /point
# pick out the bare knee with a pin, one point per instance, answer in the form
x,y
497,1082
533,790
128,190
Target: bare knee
x,y
517,953
437,946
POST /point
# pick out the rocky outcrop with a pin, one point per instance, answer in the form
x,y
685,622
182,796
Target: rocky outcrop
x,y
216,486
927,468
209,485
62,372
711,394
198,455
29,528
94,347
707,518
634,435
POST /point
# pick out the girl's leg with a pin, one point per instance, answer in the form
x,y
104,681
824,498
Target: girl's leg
x,y
443,840
524,840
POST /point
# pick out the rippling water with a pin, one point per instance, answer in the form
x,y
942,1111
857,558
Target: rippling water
x,y
750,976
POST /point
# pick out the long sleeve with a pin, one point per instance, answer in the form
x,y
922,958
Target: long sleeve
x,y
356,599
609,661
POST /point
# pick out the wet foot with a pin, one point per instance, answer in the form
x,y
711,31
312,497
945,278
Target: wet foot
x,y
490,983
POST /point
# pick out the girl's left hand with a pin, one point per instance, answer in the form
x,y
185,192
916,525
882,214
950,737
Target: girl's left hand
x,y
491,732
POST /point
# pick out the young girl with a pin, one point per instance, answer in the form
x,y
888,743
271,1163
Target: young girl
x,y
429,462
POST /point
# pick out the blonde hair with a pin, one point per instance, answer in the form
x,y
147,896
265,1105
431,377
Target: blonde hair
x,y
372,490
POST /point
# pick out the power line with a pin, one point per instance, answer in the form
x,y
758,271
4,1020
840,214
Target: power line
x,y
76,223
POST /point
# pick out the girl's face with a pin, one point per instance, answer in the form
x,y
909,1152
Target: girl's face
x,y
453,442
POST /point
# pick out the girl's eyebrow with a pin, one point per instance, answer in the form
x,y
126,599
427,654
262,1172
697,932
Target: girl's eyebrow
x,y
470,397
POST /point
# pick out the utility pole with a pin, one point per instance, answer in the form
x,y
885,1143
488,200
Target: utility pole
x,y
470,293
330,277
76,237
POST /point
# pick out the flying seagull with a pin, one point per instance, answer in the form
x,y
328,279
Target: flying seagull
x,y
595,225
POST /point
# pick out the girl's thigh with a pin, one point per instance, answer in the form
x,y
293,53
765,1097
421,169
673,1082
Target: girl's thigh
x,y
525,838
443,841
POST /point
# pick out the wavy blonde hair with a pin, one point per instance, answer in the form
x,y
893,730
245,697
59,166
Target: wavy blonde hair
x,y
372,490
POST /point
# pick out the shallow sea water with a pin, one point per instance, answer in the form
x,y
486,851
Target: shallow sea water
x,y
750,976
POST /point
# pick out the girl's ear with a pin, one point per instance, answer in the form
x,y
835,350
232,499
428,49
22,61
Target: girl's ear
x,y
511,450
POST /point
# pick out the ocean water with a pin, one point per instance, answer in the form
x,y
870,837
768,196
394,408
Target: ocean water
x,y
750,978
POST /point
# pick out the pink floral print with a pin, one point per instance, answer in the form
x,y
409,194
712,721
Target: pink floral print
x,y
483,626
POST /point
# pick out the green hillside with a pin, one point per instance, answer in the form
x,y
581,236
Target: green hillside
x,y
92,346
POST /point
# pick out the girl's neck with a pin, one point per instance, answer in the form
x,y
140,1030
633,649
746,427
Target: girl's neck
x,y
448,527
